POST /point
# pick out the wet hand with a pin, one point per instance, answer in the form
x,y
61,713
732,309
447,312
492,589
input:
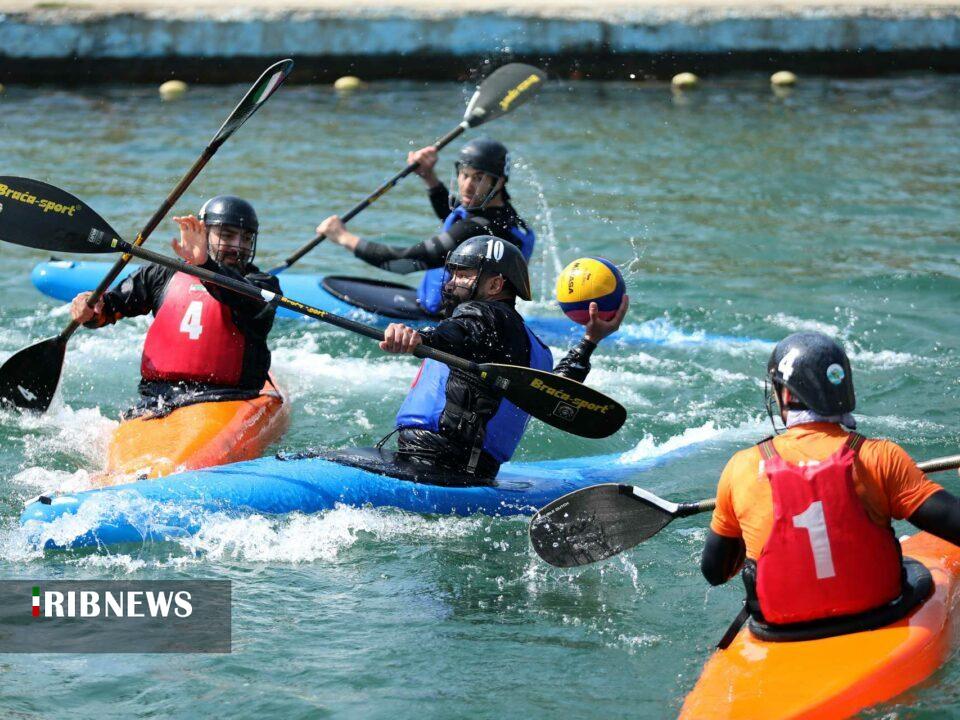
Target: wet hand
x,y
398,338
81,312
427,159
598,329
192,245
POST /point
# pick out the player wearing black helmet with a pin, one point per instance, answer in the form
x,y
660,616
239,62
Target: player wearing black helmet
x,y
205,342
481,206
451,419
807,513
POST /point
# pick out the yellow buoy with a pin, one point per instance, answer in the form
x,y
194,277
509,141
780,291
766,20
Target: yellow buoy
x,y
173,90
784,78
348,83
685,81
2,88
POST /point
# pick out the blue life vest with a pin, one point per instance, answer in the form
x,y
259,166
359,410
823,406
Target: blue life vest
x,y
428,397
429,294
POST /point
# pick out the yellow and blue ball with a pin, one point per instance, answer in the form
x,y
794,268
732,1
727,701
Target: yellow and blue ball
x,y
586,280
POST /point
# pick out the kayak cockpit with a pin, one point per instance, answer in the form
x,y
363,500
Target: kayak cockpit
x,y
386,462
917,587
388,299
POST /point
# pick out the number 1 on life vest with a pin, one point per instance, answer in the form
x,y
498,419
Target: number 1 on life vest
x,y
813,521
191,323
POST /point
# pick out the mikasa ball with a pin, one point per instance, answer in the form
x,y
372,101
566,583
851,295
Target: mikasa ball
x,y
586,280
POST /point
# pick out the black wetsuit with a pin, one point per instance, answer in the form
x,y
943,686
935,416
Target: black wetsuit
x,y
143,293
481,331
431,253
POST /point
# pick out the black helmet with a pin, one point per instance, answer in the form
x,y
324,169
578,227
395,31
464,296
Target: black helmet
x,y
493,256
816,370
238,213
486,155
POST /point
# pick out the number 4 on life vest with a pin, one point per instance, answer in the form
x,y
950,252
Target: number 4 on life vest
x,y
192,320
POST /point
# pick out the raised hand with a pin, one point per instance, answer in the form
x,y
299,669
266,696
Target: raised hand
x,y
192,245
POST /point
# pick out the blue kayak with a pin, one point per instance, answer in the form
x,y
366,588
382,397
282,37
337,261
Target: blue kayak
x,y
175,506
374,302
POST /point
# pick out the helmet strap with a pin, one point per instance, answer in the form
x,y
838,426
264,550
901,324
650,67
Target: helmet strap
x,y
771,400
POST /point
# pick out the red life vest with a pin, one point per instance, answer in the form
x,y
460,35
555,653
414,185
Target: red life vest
x,y
193,338
824,556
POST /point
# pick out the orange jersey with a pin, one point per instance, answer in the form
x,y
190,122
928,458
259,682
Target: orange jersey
x,y
887,481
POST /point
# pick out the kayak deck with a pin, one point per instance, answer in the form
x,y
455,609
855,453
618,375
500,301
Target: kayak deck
x,y
838,676
173,507
195,436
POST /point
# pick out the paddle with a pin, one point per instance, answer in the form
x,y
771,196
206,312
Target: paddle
x,y
507,87
598,522
39,215
29,378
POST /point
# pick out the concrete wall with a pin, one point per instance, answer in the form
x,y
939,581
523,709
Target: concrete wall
x,y
44,45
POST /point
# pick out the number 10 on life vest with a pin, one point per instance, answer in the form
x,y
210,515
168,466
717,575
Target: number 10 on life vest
x,y
192,320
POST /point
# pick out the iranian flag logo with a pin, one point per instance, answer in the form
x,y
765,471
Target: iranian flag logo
x,y
36,601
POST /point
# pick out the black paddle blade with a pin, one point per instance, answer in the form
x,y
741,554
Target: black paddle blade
x,y
507,88
557,400
261,91
595,523
37,215
29,378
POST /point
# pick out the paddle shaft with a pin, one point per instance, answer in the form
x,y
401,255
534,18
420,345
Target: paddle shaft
x,y
251,291
145,233
371,198
237,117
949,462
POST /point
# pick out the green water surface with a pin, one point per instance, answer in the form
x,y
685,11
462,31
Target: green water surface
x,y
732,212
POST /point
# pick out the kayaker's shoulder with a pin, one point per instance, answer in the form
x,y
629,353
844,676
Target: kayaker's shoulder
x,y
744,461
880,450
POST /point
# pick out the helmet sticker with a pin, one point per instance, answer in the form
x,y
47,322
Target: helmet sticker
x,y
835,374
786,363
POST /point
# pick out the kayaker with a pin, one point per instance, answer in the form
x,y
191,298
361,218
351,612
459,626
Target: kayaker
x,y
482,207
829,549
451,419
205,342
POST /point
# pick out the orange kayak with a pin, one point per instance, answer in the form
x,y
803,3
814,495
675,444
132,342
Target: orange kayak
x,y
838,676
195,436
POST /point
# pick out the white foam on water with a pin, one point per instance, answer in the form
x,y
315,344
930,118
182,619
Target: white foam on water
x,y
648,447
886,359
303,370
726,377
796,324
904,423
84,432
662,331
43,480
121,342
298,538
